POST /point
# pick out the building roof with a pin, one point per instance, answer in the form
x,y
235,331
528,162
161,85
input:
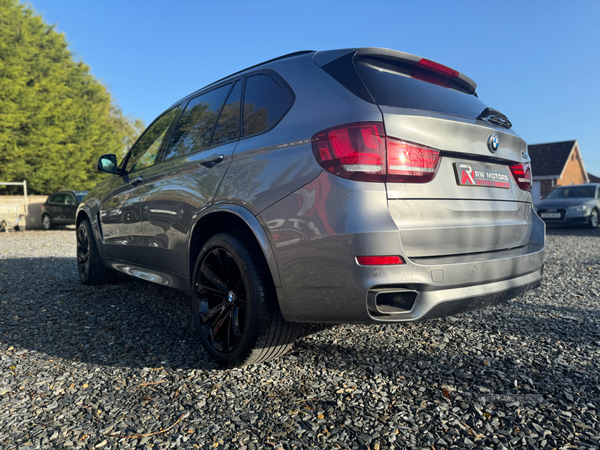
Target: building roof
x,y
593,178
549,159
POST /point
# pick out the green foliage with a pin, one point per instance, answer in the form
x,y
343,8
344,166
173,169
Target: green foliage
x,y
56,119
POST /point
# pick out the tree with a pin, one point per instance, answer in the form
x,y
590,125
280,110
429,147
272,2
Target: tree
x,y
56,119
128,128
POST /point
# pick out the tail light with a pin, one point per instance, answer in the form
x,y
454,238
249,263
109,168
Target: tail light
x,y
522,175
362,152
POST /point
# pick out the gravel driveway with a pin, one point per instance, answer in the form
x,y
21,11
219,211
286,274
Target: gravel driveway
x,y
119,366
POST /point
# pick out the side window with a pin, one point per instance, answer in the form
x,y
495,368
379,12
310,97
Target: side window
x,y
69,199
145,150
228,126
57,198
195,127
265,101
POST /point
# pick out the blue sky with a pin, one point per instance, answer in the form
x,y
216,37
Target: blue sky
x,y
536,61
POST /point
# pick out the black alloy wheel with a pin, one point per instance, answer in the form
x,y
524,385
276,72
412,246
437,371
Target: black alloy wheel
x,y
83,252
222,299
234,303
89,264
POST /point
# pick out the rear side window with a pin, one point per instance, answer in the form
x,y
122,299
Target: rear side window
x,y
394,84
265,102
195,127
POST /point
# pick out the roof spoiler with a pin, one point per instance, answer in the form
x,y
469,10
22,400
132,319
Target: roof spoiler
x,y
323,58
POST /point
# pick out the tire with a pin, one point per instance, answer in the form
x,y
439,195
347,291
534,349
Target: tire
x,y
234,303
89,264
46,222
593,223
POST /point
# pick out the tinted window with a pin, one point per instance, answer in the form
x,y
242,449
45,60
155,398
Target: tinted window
x,y
145,150
264,103
69,199
390,83
228,126
57,198
194,129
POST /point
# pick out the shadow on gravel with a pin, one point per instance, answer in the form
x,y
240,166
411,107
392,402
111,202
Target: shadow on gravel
x,y
572,231
138,324
468,358
131,323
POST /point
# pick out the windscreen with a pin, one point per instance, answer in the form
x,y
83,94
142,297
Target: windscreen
x,y
574,192
394,83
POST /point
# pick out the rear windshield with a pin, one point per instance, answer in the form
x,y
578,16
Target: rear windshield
x,y
574,192
390,84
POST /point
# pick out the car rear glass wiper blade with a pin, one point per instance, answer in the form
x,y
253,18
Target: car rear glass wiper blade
x,y
495,117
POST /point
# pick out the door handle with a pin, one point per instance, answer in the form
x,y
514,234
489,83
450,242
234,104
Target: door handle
x,y
137,180
211,160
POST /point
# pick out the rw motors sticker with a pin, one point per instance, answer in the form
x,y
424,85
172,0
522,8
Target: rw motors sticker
x,y
474,175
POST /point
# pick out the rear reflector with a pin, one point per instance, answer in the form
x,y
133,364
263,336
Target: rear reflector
x,y
379,260
361,151
522,175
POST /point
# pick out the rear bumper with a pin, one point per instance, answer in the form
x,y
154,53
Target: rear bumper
x,y
317,232
496,293
330,290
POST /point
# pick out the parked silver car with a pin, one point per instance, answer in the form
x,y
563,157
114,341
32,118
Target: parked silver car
x,y
358,185
577,204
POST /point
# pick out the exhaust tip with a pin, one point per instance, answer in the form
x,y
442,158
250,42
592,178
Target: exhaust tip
x,y
386,302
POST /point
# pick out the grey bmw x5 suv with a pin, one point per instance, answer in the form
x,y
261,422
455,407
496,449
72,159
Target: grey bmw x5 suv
x,y
358,185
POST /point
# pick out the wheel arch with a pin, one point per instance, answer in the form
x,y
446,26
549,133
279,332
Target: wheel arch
x,y
225,218
85,212
81,215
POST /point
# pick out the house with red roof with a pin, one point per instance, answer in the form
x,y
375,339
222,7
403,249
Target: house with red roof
x,y
555,164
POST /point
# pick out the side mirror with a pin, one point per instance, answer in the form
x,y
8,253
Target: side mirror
x,y
108,164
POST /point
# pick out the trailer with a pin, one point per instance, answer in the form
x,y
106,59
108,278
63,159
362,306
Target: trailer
x,y
12,215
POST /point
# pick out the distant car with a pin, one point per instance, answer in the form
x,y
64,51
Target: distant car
x,y
346,186
60,208
577,204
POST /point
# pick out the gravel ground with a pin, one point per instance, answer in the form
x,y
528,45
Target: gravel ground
x,y
119,366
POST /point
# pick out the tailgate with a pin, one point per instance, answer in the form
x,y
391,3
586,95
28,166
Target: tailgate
x,y
473,204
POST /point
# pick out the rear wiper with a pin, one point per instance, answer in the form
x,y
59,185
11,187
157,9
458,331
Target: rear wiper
x,y
495,117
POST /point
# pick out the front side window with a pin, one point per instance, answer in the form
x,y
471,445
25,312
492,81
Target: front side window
x,y
69,199
144,152
195,127
265,101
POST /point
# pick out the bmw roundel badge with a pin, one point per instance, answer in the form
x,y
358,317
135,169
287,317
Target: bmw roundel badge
x,y
493,142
